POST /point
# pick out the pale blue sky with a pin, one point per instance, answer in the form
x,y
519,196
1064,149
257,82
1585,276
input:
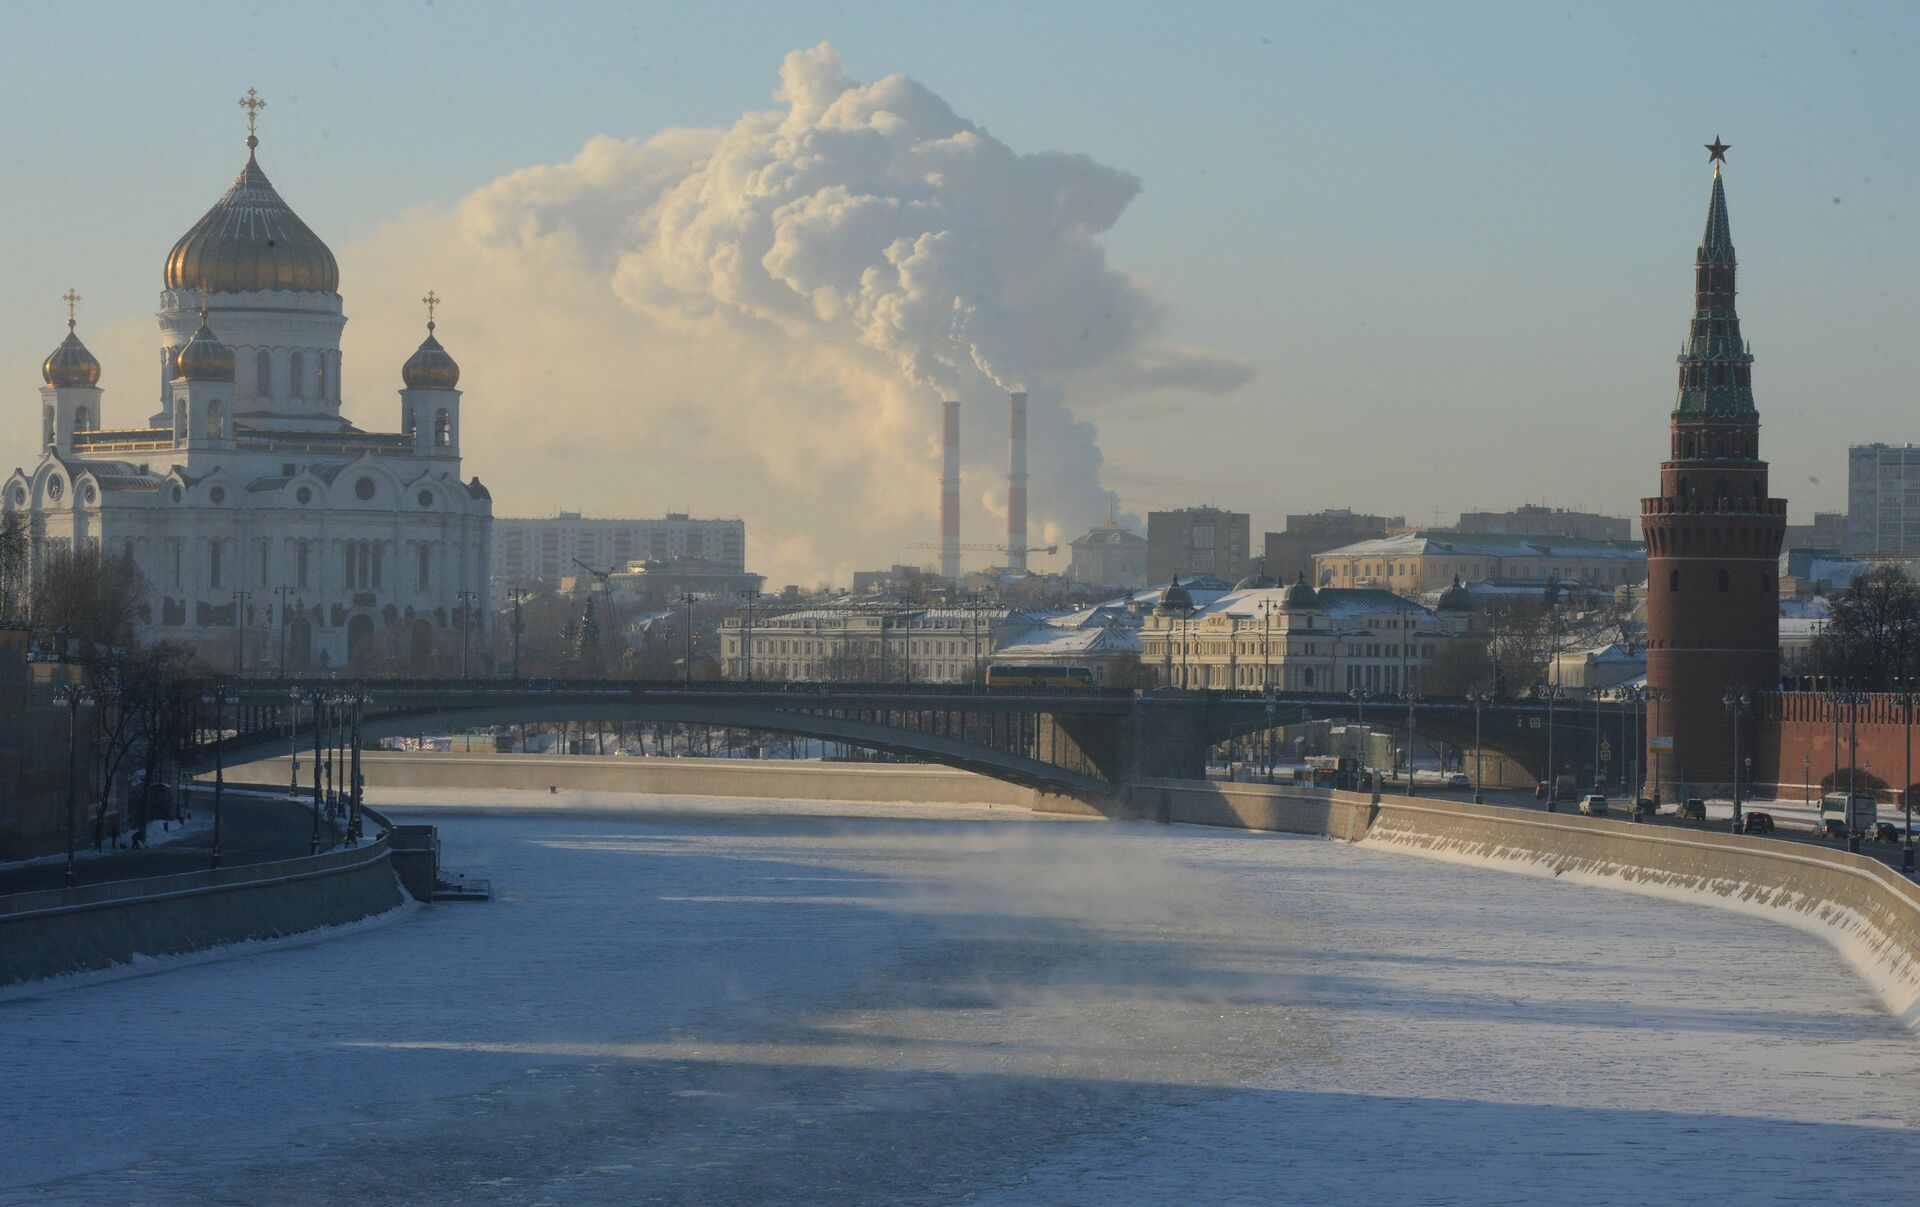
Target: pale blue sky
x,y
1454,239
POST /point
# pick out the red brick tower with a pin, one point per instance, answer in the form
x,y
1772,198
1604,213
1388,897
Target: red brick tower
x,y
1713,539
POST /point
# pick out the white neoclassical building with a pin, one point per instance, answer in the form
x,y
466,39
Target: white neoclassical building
x,y
261,519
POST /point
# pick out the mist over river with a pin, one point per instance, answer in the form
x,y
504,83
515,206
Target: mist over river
x,y
713,1001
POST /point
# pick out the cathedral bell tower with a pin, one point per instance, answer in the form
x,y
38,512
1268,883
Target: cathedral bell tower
x,y
430,403
70,401
1713,540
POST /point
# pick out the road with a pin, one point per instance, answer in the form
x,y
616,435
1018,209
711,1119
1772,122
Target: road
x,y
253,829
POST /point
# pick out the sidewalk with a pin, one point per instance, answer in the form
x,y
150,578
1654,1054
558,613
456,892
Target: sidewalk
x,y
252,830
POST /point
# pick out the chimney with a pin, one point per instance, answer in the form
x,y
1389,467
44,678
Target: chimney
x,y
1017,482
950,491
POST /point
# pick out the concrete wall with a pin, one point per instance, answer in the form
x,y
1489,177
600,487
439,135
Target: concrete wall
x,y
1863,907
771,778
100,926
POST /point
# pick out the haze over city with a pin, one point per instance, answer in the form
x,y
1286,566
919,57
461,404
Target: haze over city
x,y
1410,261
1000,604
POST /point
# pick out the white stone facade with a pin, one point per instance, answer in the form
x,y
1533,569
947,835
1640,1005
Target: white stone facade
x,y
260,518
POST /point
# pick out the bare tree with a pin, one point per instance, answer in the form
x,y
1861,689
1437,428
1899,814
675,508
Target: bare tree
x,y
16,552
95,596
1873,640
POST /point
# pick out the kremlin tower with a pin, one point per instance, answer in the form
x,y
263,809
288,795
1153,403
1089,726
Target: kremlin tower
x,y
1713,541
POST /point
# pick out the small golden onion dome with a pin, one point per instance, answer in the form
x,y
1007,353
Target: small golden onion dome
x,y
204,358
251,239
430,368
71,364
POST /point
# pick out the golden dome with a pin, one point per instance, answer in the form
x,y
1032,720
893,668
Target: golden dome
x,y
430,368
71,364
251,240
204,358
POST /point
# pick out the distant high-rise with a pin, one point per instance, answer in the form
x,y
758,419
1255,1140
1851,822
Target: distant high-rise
x,y
1197,540
1713,537
1883,499
1288,555
1532,519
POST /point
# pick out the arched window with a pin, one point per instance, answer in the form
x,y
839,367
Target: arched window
x,y
82,421
262,373
376,564
321,367
423,570
213,564
216,420
180,419
407,422
442,429
1725,585
1673,580
46,426
298,375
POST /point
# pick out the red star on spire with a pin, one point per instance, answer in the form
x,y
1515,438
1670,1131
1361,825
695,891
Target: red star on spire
x,y
1717,150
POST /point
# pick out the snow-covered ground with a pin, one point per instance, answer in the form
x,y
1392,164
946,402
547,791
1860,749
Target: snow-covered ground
x,y
716,1001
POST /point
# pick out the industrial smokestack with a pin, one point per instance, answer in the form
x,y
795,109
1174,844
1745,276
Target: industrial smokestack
x,y
1017,482
950,491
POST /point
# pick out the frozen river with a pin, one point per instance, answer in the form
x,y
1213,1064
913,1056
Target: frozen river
x,y
746,1002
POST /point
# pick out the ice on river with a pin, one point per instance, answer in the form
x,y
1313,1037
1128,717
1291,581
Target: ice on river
x,y
710,1001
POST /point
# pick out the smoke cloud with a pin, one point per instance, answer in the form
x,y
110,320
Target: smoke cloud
x,y
762,321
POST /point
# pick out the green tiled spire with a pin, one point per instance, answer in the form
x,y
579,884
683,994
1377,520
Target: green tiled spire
x,y
1716,378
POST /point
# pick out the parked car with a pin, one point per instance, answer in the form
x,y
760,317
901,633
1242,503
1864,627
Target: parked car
x,y
1757,823
1694,809
1593,805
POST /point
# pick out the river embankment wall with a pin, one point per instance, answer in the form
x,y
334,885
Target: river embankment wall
x,y
773,779
99,927
1864,908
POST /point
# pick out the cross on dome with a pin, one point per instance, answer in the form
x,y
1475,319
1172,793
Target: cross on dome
x,y
72,299
430,302
252,103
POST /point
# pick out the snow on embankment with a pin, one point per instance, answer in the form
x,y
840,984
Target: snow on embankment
x,y
1865,909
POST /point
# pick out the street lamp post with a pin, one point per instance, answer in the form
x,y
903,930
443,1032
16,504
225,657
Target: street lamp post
x,y
73,695
1479,700
219,698
746,641
1654,694
466,599
1853,765
1410,699
1553,786
318,707
293,746
1738,704
283,593
240,632
1906,788
686,668
519,627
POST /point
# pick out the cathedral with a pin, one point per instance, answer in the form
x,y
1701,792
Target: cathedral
x,y
272,534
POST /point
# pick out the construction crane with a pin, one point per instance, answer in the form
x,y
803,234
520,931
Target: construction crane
x,y
977,547
601,575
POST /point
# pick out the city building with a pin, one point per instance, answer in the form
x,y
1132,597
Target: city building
x,y
1713,541
259,518
863,642
1297,638
1883,499
1196,540
1109,556
1426,560
1828,532
526,551
1289,554
1535,520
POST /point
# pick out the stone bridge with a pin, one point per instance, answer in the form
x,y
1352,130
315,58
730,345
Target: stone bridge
x,y
1077,742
